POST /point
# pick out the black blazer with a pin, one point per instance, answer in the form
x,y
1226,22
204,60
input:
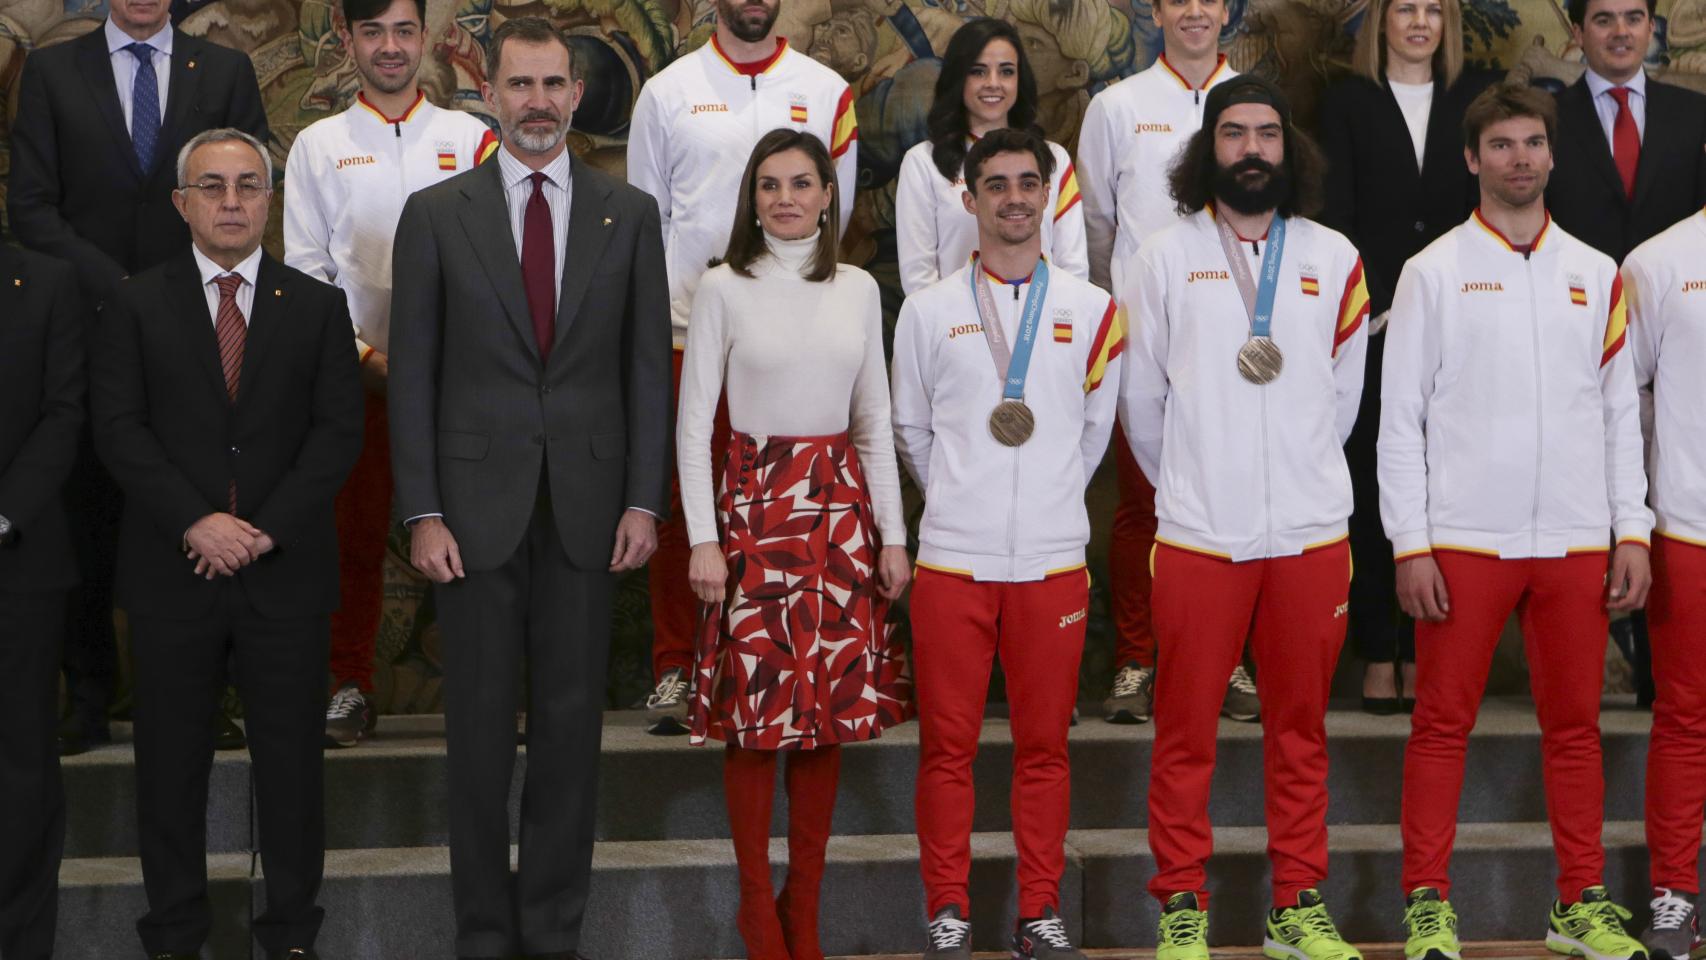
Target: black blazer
x,y
76,190
1585,193
475,414
41,416
1374,194
174,442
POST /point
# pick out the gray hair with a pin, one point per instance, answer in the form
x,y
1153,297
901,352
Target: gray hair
x,y
533,30
220,135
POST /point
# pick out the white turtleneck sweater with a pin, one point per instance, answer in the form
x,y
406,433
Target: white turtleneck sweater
x,y
796,359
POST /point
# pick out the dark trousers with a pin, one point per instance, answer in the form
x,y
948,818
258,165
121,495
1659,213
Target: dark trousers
x,y
90,659
180,679
536,608
32,801
1379,629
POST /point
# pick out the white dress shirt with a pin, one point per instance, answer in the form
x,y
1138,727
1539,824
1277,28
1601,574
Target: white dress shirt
x,y
1603,104
125,63
1415,101
518,188
248,269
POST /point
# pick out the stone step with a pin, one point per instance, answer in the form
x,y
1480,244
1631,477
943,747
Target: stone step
x,y
390,792
676,899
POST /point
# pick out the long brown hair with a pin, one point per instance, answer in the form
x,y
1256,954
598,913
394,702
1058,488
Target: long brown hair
x,y
1190,178
1369,56
746,237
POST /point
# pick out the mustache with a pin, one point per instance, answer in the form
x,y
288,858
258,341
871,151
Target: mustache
x,y
1252,165
532,115
1024,208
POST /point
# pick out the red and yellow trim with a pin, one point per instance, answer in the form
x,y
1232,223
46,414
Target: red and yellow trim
x,y
1539,238
420,98
1679,538
1616,322
1472,551
1218,67
1199,551
1068,196
1638,541
1413,554
950,571
846,129
1106,346
1353,307
488,145
755,68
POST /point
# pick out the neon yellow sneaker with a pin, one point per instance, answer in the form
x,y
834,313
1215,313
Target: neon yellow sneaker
x,y
1431,926
1592,927
1184,930
1305,932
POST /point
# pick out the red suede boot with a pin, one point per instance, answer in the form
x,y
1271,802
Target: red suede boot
x,y
749,781
812,776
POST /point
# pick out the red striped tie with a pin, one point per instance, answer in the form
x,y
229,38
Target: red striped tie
x,y
231,331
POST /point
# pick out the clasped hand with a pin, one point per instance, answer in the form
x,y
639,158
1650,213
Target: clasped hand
x,y
221,544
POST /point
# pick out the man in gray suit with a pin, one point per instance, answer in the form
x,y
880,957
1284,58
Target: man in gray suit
x,y
530,395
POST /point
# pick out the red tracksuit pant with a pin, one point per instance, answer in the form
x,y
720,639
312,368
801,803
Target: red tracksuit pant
x,y
1129,543
675,610
1561,605
1292,609
958,627
1676,757
363,515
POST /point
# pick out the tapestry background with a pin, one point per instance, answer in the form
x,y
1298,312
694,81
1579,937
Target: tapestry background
x,y
887,49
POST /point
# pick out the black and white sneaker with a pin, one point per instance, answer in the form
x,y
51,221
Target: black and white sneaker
x,y
1129,700
1241,703
349,717
1043,939
950,936
667,706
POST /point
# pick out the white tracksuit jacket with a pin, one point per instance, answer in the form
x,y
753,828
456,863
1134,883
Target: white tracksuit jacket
x,y
993,512
1131,133
1509,419
693,130
345,182
1243,471
935,236
1665,281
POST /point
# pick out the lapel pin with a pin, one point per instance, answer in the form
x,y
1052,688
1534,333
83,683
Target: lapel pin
x,y
17,281
190,65
278,293
607,221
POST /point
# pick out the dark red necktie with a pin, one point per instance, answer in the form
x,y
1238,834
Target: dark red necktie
x,y
539,266
1625,141
232,333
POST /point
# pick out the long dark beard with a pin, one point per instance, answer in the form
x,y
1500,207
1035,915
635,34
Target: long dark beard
x,y
1228,189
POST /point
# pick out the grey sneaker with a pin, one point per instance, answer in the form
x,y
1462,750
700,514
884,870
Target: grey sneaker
x,y
1241,703
1674,932
667,706
349,717
1043,939
1128,702
950,936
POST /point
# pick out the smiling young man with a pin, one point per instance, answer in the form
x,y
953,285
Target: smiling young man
x,y
344,187
1629,157
694,126
1511,479
1003,395
1241,383
1132,130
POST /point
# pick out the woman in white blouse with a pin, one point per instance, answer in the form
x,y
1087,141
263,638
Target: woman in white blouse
x,y
985,84
798,537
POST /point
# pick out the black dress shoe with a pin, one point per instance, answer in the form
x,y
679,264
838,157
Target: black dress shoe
x,y
226,734
1382,706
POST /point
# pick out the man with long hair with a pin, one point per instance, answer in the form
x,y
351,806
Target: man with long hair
x,y
1001,422
1242,383
1511,479
344,187
694,126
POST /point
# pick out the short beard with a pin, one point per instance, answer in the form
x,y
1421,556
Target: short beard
x,y
746,30
536,142
1228,189
384,84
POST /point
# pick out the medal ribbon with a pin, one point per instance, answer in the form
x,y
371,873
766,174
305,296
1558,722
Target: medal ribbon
x,y
1011,365
1258,301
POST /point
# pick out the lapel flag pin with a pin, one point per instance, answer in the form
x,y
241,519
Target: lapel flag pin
x,y
190,65
607,221
278,293
17,282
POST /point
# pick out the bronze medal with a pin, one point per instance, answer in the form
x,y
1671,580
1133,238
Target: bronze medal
x,y
1011,423
1260,360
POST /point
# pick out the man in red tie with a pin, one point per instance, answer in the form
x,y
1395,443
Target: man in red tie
x,y
1629,153
226,402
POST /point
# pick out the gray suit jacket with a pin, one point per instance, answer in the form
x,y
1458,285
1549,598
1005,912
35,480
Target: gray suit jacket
x,y
475,413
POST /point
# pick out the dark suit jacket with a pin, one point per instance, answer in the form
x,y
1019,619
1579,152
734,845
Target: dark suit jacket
x,y
174,442
475,414
41,415
1585,193
76,190
1374,194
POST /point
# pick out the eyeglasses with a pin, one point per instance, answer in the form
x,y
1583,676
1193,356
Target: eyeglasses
x,y
215,190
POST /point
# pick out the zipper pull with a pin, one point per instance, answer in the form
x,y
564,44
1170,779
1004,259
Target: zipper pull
x,y
1255,249
1015,293
753,79
1196,97
397,125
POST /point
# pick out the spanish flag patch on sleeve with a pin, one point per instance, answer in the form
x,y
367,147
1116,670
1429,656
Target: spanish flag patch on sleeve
x,y
846,128
1616,322
1109,341
1069,195
488,146
1353,307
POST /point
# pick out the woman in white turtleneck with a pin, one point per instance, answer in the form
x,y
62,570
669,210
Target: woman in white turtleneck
x,y
798,537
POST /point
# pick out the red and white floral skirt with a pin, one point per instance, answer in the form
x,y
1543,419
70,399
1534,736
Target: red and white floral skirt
x,y
799,655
